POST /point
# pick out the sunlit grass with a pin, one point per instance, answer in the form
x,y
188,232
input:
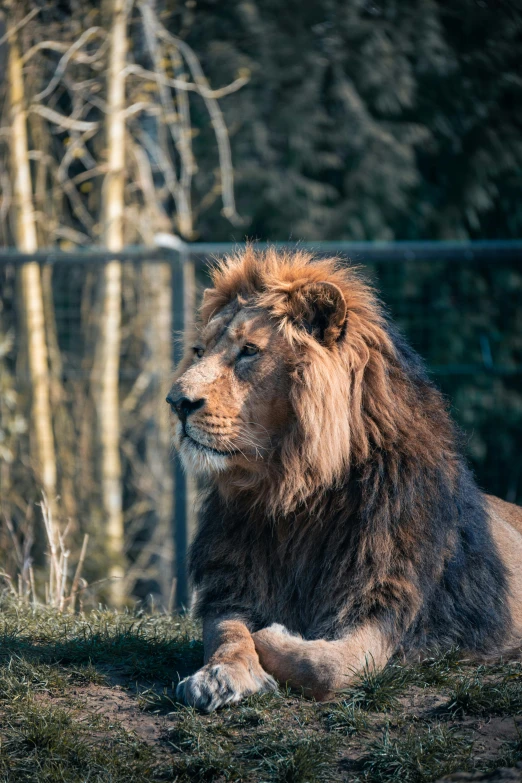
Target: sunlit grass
x,y
59,672
421,755
475,695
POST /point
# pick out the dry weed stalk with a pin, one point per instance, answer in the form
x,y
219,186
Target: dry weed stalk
x,y
59,591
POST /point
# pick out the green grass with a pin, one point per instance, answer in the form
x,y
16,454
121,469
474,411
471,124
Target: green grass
x,y
511,752
423,754
48,744
378,691
347,718
436,669
475,695
92,698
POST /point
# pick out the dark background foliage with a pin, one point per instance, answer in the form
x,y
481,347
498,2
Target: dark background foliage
x,y
365,119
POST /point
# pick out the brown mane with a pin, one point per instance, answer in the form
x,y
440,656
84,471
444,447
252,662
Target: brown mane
x,y
356,390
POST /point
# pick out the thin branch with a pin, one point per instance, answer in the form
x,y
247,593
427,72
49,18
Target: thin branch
x,y
140,106
14,539
77,237
33,588
180,84
165,164
216,118
13,30
54,46
65,123
183,104
176,132
161,79
62,65
97,171
7,195
86,90
145,181
63,48
67,185
54,571
78,573
63,581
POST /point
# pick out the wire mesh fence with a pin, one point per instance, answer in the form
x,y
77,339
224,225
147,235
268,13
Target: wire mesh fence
x,y
459,305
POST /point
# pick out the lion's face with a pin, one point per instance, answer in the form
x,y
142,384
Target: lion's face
x,y
288,380
230,403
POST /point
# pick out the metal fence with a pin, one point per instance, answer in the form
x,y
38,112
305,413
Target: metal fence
x,y
460,305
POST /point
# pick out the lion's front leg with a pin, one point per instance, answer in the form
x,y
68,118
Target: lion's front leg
x,y
231,672
320,668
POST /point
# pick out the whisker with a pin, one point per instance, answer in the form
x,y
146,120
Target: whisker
x,y
250,440
256,424
233,446
260,426
257,448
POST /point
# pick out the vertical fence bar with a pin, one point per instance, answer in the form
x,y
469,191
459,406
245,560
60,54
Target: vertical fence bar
x,y
183,303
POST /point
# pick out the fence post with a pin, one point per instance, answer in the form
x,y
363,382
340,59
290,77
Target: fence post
x,y
183,304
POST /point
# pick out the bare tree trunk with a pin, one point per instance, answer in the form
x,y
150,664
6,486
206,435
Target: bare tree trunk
x,y
158,335
30,277
65,441
110,336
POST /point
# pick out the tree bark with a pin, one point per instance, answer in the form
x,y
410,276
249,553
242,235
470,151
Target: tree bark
x,y
30,276
158,334
113,206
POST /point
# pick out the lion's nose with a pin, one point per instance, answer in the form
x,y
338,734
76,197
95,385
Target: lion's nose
x,y
183,406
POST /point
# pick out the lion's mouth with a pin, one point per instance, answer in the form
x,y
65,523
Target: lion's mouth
x,y
202,447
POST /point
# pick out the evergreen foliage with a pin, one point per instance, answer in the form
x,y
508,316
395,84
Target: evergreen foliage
x,y
364,119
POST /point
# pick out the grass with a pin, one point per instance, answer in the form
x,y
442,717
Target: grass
x,y
347,718
91,697
378,691
421,755
476,695
141,647
48,743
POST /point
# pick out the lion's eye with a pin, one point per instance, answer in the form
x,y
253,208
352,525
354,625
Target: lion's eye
x,y
248,350
198,351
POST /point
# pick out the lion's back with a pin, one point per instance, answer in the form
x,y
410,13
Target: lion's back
x,y
510,513
506,529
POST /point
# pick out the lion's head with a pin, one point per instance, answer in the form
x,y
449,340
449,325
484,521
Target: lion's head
x,y
292,378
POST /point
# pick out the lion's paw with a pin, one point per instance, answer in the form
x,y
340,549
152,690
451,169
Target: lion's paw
x,y
218,684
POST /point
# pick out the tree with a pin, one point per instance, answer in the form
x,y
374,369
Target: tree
x,y
30,274
365,120
113,206
107,146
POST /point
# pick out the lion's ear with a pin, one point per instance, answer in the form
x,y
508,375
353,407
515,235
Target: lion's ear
x,y
320,308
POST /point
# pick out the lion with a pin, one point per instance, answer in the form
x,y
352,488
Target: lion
x,y
341,524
